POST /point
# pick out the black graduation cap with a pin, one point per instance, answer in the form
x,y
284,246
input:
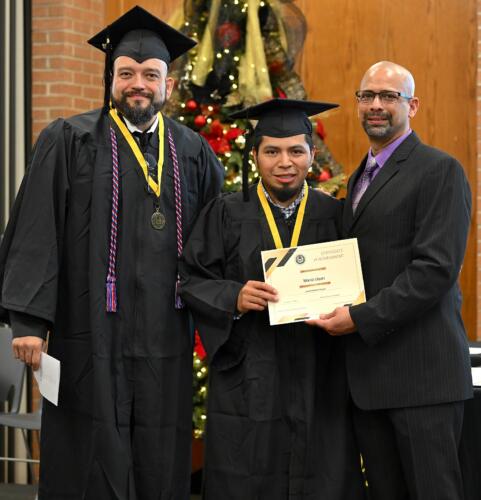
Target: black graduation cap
x,y
141,36
283,117
278,118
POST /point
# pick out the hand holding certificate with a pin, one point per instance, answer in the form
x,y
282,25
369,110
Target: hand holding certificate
x,y
313,279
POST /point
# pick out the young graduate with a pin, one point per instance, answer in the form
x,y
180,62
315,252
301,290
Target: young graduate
x,y
278,425
90,254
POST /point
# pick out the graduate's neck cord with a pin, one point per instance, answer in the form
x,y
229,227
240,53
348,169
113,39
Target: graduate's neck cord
x,y
272,223
154,186
111,285
178,213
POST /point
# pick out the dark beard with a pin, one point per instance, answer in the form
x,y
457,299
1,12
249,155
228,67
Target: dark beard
x,y
286,193
137,115
378,131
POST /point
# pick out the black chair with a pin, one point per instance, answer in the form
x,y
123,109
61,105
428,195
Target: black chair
x,y
12,373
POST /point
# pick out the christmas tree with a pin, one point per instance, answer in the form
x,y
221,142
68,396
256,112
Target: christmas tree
x,y
245,55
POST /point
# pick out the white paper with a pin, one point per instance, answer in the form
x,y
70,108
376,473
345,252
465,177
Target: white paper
x,y
476,372
475,350
48,378
313,279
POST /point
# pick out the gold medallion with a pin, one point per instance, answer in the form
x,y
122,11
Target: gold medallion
x,y
157,220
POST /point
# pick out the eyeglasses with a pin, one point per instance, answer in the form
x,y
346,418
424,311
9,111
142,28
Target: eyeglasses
x,y
385,96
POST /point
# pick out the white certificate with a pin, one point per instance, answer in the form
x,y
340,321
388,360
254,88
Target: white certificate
x,y
48,377
313,279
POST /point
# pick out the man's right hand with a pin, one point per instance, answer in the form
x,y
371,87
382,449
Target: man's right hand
x,y
28,350
254,296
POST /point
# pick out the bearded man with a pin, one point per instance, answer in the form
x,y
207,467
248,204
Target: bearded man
x,y
90,255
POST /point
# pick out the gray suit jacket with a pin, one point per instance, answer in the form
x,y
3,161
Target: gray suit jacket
x,y
412,224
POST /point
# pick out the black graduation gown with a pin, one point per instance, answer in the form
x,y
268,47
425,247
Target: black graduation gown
x,y
122,429
278,424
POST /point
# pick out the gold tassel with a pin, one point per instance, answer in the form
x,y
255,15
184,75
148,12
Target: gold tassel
x,y
254,83
205,52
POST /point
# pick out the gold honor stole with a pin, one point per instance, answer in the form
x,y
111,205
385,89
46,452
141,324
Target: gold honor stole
x,y
272,223
155,186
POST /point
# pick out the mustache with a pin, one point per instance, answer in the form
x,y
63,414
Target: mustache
x,y
377,114
133,93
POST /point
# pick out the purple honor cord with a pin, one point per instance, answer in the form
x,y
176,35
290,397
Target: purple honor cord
x,y
111,284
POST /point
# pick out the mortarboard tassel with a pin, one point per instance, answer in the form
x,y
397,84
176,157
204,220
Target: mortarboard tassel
x,y
245,165
107,76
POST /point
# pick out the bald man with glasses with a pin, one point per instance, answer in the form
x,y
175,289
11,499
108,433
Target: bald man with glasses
x,y
407,356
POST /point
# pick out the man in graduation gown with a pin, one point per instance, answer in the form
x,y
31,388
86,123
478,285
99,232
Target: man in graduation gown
x,y
277,422
90,254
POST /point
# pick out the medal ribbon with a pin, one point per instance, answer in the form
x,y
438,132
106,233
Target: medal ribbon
x,y
272,223
155,186
111,284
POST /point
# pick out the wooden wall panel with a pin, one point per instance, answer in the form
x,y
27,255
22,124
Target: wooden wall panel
x,y
161,8
435,39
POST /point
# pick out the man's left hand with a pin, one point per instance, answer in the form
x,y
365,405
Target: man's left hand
x,y
337,322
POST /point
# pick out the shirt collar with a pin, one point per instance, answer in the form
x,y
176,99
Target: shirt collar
x,y
289,210
132,128
383,156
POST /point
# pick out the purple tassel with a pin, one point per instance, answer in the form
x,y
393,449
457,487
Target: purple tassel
x,y
179,303
111,295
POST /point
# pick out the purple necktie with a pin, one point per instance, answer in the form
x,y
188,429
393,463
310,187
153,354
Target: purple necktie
x,y
363,182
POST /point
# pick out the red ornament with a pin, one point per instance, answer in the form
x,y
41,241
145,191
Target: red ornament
x,y
200,121
324,176
280,93
276,67
198,347
233,133
216,129
220,145
321,132
228,34
191,105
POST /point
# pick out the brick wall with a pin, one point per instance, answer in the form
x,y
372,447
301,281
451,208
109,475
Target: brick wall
x,y
66,71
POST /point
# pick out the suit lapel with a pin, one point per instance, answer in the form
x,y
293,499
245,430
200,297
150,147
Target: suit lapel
x,y
390,169
387,172
347,214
